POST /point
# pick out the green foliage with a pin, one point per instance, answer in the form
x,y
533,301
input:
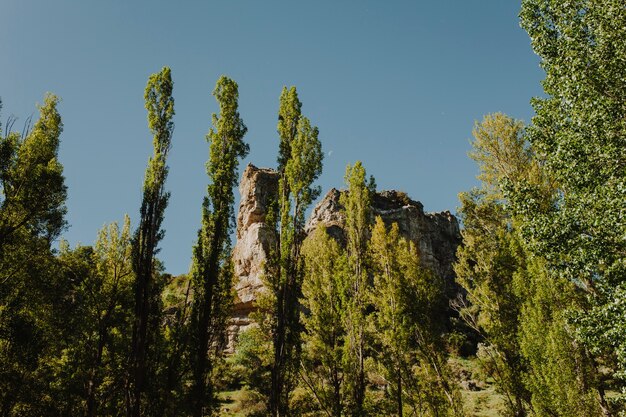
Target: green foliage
x,y
580,131
146,323
356,201
485,268
303,168
34,299
561,376
212,270
109,305
323,299
252,360
490,256
407,328
92,366
289,113
32,189
300,164
529,346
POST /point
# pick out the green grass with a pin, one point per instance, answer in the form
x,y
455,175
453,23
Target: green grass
x,y
480,398
231,404
483,403
241,403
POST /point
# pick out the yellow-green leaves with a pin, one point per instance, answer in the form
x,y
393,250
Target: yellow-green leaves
x,y
212,270
500,150
32,188
305,164
288,116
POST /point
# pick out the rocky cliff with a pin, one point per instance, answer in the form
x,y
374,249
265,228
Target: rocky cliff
x,y
254,236
435,234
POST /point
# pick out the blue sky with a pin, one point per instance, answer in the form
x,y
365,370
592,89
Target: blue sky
x,y
396,84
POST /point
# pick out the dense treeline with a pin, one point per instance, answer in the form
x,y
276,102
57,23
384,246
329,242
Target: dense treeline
x,y
351,325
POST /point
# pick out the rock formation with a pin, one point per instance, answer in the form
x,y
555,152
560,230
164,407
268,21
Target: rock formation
x,y
436,235
254,236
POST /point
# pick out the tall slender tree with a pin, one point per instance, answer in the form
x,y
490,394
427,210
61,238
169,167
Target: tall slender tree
x,y
489,258
32,188
390,317
299,164
211,271
160,107
356,202
408,302
323,320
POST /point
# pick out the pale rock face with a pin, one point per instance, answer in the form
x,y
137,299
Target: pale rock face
x,y
257,186
436,235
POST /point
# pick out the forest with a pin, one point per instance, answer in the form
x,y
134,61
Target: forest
x,y
534,325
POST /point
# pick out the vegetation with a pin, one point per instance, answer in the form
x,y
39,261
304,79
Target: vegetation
x,y
211,271
299,165
351,322
160,106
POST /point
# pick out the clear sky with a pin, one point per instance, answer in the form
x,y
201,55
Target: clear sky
x,y
396,84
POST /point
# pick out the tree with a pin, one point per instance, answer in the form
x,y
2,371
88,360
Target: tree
x,y
160,106
529,347
390,321
32,188
32,210
406,323
579,130
300,164
211,272
489,258
289,113
356,202
108,299
561,376
96,303
324,332
485,268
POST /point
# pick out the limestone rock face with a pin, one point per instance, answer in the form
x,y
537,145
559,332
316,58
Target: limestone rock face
x,y
257,186
436,235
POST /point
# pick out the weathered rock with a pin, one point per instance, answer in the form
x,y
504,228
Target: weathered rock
x,y
257,186
436,235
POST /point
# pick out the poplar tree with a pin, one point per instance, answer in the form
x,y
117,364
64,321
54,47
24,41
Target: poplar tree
x,y
299,164
324,335
485,268
97,303
390,319
408,302
356,201
490,257
212,269
32,188
529,348
160,107
579,131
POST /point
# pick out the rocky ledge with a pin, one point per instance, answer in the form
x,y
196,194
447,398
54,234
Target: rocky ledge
x,y
436,235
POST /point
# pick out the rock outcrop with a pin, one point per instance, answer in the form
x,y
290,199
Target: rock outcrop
x,y
254,236
436,235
